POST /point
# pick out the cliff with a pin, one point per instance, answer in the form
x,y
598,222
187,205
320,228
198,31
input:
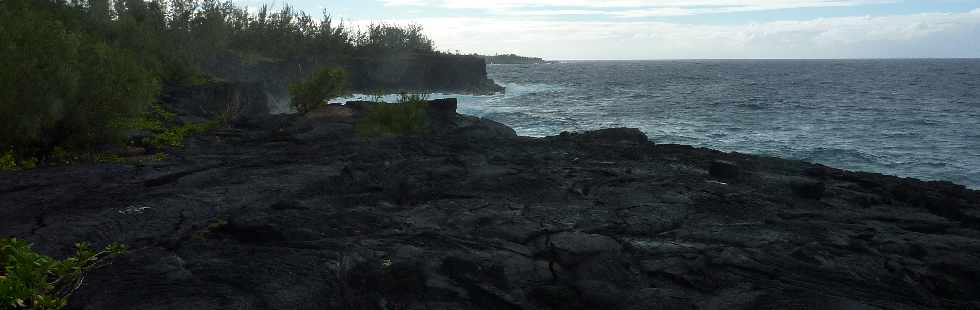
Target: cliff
x,y
298,212
414,72
385,72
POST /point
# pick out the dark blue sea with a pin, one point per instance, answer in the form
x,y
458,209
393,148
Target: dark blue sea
x,y
910,118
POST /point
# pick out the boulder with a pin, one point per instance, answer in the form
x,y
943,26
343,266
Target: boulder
x,y
608,136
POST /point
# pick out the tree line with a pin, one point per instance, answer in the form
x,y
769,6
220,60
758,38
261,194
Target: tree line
x,y
74,71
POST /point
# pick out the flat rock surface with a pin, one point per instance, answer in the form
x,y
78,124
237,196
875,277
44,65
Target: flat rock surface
x,y
285,213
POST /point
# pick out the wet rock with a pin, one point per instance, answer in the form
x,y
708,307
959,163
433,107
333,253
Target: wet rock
x,y
652,219
659,299
724,170
556,297
608,136
482,129
443,110
295,212
571,248
810,190
601,295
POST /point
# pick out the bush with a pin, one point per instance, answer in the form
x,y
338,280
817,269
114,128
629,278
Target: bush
x,y
394,119
11,161
114,87
414,97
324,85
40,75
163,129
63,87
8,161
30,280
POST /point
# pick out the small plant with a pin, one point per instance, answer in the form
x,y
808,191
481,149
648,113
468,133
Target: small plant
x,y
413,97
9,161
377,96
29,280
163,128
314,93
174,136
394,119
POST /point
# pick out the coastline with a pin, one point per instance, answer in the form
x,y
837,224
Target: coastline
x,y
298,212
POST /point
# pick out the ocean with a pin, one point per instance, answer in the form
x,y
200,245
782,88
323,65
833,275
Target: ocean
x,y
910,118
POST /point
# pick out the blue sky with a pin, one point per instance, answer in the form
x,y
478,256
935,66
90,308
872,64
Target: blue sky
x,y
680,29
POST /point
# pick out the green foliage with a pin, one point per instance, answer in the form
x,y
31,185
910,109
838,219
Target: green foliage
x,y
73,71
9,160
394,119
175,136
40,74
377,96
511,59
313,93
414,97
61,86
386,38
30,280
163,129
114,87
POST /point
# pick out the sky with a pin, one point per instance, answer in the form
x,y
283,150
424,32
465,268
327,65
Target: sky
x,y
679,29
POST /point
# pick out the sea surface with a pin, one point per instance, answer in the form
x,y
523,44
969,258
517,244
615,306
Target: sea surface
x,y
910,118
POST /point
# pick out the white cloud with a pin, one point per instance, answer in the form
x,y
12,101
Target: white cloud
x,y
636,8
916,35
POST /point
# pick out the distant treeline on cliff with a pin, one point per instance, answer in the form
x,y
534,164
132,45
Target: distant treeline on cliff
x,y
72,70
512,59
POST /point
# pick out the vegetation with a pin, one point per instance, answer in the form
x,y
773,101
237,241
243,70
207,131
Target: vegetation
x,y
324,85
30,280
74,70
409,116
61,85
413,98
512,59
163,130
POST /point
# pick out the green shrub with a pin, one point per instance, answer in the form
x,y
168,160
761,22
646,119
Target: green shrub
x,y
163,128
394,119
114,87
175,136
413,97
8,161
11,161
62,86
29,280
376,96
313,93
40,74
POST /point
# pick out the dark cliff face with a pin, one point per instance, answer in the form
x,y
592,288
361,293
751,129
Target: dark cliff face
x,y
382,72
417,72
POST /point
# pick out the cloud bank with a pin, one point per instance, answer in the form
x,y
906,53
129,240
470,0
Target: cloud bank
x,y
629,8
894,36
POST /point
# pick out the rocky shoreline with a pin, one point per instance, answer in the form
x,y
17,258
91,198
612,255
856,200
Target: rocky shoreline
x,y
297,212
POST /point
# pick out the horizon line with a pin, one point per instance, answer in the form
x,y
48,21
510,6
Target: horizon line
x,y
737,59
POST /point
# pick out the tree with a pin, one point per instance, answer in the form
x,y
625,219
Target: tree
x,y
39,57
324,85
62,86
